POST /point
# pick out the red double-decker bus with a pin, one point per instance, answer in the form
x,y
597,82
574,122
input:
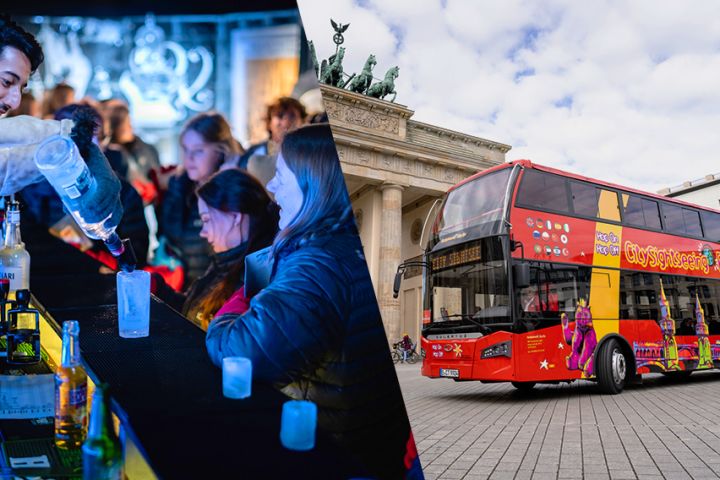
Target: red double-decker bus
x,y
535,275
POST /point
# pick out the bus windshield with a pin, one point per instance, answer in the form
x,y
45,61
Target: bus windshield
x,y
472,210
470,287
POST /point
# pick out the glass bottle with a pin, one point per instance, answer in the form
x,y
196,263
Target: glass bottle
x,y
70,392
102,451
14,259
59,160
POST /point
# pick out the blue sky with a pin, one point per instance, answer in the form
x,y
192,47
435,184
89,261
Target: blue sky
x,y
622,91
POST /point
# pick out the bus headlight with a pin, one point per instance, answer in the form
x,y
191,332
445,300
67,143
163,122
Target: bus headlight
x,y
503,349
422,353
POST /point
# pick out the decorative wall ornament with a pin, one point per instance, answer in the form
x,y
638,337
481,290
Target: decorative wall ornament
x,y
157,84
65,60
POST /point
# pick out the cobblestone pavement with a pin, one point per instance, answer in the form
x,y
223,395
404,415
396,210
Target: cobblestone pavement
x,y
660,429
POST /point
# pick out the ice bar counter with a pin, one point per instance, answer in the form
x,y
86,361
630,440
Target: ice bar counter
x,y
167,397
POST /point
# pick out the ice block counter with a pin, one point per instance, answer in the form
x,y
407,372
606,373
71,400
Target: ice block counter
x,y
166,394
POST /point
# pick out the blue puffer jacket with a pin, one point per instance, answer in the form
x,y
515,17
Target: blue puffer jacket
x,y
315,332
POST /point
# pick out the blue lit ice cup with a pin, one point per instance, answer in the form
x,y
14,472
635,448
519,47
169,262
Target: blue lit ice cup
x,y
133,292
297,425
237,377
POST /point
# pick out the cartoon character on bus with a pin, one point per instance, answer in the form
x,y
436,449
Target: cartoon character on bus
x,y
582,340
704,350
667,326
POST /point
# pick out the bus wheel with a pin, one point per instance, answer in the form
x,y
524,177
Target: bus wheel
x,y
612,367
523,386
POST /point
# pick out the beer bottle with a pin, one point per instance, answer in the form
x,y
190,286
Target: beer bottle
x,y
102,452
14,259
70,392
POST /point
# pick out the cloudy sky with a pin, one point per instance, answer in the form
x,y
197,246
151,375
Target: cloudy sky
x,y
622,91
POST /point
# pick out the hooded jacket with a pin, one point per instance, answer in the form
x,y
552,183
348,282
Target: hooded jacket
x,y
316,333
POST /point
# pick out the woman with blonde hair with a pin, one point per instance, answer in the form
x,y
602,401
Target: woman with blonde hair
x,y
207,144
315,330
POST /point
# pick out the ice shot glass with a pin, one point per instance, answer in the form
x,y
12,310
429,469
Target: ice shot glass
x,y
133,292
298,424
237,377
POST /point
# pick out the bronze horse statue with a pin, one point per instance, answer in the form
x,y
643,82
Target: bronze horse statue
x,y
332,73
362,82
385,87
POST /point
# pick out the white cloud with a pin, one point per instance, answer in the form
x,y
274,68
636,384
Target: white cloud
x,y
621,91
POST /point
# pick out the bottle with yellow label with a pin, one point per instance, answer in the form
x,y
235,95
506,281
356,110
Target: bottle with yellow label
x,y
70,392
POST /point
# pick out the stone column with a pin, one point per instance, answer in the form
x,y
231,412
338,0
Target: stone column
x,y
390,244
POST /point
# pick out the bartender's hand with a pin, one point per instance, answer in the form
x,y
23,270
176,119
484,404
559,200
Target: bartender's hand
x,y
19,138
107,195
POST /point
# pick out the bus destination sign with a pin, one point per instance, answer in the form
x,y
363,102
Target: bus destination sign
x,y
458,257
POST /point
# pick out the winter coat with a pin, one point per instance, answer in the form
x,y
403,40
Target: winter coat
x,y
181,226
189,302
316,333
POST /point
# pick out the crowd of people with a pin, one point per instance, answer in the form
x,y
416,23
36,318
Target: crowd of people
x,y
313,329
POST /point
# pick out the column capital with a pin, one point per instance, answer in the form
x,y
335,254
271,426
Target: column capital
x,y
388,185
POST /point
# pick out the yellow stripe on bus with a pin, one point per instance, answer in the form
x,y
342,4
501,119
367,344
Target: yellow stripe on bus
x,y
605,283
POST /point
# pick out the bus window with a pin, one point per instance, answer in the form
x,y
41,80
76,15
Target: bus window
x,y
673,219
640,212
552,291
711,225
692,222
591,201
608,208
585,199
543,191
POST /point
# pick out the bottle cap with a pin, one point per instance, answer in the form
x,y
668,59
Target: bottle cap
x,y
22,297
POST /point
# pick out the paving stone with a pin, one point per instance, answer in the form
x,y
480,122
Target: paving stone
x,y
651,431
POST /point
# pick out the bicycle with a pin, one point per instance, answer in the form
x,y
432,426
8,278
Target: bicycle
x,y
397,354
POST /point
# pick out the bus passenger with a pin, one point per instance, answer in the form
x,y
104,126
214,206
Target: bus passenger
x,y
315,330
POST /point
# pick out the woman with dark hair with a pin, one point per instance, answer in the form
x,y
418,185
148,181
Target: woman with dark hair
x,y
238,218
315,330
207,143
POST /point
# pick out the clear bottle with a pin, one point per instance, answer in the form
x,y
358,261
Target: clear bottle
x,y
14,259
70,392
59,160
102,451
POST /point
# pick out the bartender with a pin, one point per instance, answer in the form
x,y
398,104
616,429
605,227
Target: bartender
x,y
20,56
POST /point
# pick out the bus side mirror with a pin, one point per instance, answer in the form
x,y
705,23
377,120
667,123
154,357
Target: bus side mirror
x,y
396,283
521,275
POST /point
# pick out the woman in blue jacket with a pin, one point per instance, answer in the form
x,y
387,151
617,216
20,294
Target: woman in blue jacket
x,y
315,330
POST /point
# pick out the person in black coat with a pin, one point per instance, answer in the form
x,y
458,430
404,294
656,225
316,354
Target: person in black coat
x,y
315,330
207,143
238,218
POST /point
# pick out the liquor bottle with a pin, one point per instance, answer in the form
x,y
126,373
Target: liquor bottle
x,y
102,451
14,259
59,160
70,392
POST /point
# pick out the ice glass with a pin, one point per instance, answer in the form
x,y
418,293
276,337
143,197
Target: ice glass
x,y
297,425
237,377
133,291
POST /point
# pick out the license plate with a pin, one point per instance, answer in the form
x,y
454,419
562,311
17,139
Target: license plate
x,y
449,372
